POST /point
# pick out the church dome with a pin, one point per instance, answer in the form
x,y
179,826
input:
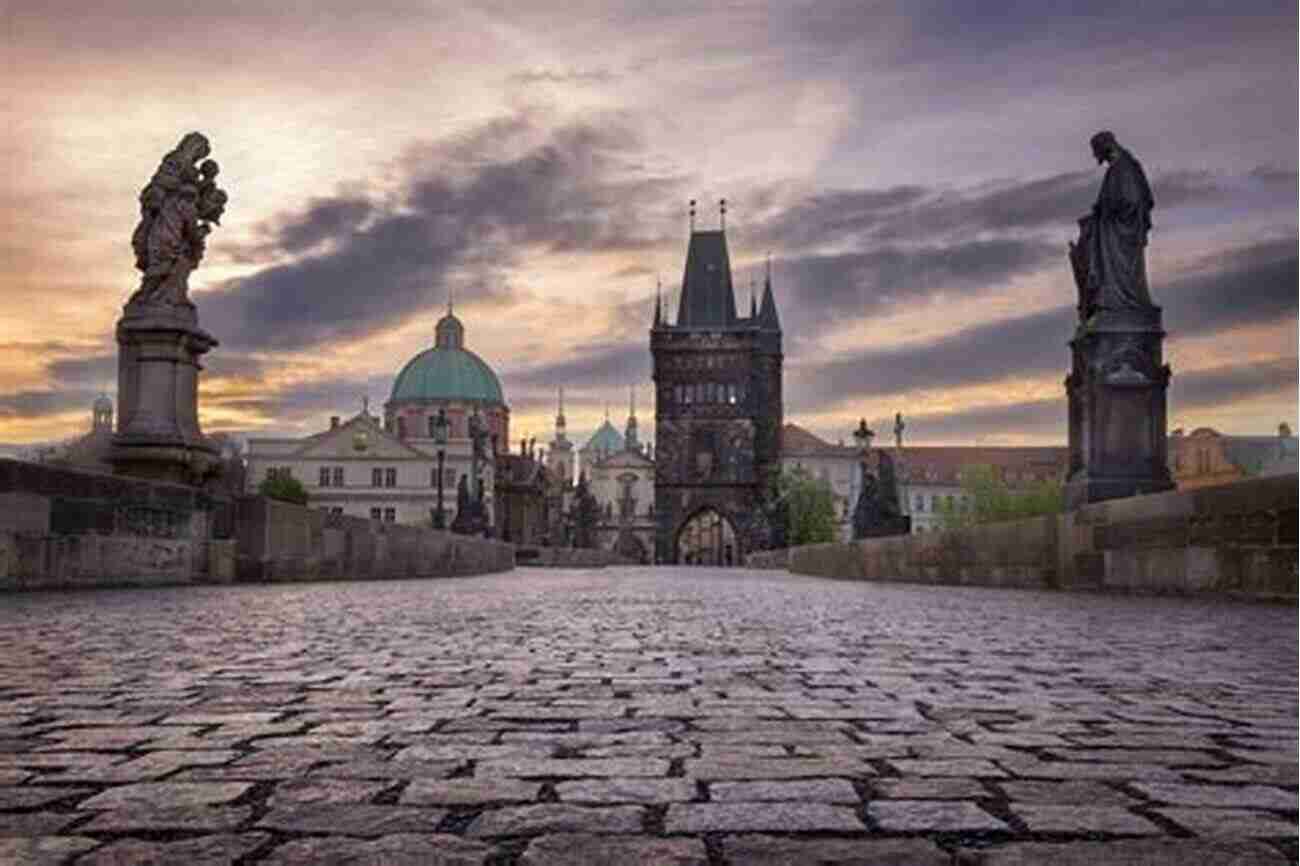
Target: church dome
x,y
606,439
448,371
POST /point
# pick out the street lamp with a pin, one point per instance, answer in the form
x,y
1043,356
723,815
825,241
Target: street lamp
x,y
440,429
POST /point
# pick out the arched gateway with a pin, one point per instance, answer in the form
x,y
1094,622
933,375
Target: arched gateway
x,y
707,539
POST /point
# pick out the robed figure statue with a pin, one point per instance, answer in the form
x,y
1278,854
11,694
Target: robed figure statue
x,y
1110,258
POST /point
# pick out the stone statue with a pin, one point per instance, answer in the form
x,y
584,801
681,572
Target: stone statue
x,y
586,515
462,495
178,208
1109,259
877,512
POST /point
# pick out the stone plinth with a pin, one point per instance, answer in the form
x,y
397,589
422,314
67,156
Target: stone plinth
x,y
1117,398
158,435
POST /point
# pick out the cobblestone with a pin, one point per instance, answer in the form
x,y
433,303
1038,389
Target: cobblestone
x,y
749,817
684,717
570,849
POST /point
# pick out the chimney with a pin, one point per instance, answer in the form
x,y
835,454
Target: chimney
x,y
334,422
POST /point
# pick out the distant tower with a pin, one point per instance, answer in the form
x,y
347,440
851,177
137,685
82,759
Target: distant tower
x,y
630,440
101,414
718,415
559,457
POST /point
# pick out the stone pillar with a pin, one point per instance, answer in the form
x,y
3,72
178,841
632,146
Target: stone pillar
x,y
158,435
1117,403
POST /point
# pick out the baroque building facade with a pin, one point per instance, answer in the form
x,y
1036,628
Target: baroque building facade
x,y
403,469
718,415
623,481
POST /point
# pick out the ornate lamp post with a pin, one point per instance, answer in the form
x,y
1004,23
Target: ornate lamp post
x,y
440,429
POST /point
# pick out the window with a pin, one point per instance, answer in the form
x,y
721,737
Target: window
x,y
376,514
934,502
433,477
401,428
324,476
337,509
338,476
390,515
433,422
376,477
390,477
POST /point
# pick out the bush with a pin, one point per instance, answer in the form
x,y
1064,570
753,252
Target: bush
x,y
809,505
285,488
992,501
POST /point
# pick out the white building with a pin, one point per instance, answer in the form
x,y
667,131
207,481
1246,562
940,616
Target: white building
x,y
389,471
621,475
928,476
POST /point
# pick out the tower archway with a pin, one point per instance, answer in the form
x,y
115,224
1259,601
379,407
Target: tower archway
x,y
707,538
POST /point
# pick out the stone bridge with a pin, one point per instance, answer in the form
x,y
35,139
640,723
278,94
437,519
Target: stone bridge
x,y
644,715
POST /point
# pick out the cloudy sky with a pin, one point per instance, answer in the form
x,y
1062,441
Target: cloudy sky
x,y
914,169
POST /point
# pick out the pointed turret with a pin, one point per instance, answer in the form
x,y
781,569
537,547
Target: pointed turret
x,y
630,440
560,425
768,319
659,303
708,299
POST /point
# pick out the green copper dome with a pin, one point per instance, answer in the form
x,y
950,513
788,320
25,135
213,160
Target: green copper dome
x,y
605,439
448,371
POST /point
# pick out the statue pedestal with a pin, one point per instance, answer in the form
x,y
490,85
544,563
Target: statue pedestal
x,y
158,434
1117,402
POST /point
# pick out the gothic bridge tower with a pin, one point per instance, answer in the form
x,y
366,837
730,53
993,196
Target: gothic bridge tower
x,y
718,414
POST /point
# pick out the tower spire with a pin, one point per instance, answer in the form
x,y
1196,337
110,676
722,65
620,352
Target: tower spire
x,y
630,439
659,306
692,216
722,211
767,317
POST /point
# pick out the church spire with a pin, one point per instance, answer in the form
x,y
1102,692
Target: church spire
x,y
630,438
659,292
767,316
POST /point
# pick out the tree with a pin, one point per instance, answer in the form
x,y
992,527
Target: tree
x,y
283,487
986,498
809,505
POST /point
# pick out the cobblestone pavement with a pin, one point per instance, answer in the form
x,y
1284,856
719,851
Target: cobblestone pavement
x,y
644,716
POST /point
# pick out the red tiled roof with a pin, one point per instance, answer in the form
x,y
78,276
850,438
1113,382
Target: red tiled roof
x,y
1017,465
942,464
796,441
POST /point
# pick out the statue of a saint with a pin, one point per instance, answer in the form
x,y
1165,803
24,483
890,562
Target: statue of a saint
x,y
1110,258
178,208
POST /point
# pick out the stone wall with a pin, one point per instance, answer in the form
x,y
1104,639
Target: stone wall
x,y
1236,539
279,541
68,528
569,557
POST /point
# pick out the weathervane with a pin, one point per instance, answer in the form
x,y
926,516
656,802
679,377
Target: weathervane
x,y
722,209
692,215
